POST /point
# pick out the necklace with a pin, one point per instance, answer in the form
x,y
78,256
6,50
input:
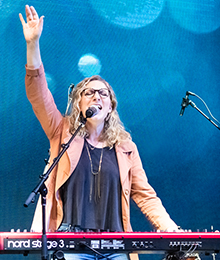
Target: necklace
x,y
92,147
90,159
96,176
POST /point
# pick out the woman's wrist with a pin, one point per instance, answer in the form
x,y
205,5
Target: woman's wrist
x,y
33,55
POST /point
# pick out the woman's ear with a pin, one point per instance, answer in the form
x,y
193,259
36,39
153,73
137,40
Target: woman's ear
x,y
110,108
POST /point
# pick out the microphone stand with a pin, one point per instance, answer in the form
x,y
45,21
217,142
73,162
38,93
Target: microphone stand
x,y
42,189
192,104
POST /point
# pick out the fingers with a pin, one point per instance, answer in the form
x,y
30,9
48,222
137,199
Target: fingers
x,y
22,19
34,13
41,22
29,15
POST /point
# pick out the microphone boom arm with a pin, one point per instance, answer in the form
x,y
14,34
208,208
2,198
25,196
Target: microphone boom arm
x,y
192,104
42,189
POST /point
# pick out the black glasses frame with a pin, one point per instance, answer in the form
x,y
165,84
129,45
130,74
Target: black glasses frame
x,y
97,90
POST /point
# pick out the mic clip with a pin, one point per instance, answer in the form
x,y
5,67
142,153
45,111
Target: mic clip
x,y
70,89
185,102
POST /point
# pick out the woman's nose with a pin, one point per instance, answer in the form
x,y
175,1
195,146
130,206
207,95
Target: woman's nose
x,y
96,95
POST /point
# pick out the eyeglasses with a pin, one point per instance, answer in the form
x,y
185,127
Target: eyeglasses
x,y
90,92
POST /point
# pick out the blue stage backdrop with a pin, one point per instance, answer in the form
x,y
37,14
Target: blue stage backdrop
x,y
151,52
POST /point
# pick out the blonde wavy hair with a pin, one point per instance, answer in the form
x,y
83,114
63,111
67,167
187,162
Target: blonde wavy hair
x,y
113,131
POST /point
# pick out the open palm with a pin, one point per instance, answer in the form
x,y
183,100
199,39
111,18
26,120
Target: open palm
x,y
33,27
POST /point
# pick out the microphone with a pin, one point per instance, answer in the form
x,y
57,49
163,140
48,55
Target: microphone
x,y
70,90
185,103
92,111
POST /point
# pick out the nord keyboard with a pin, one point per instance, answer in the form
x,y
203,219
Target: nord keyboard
x,y
108,242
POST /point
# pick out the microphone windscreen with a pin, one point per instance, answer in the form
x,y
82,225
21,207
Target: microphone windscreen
x,y
91,111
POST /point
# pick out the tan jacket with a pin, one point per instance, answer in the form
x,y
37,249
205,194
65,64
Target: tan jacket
x,y
133,179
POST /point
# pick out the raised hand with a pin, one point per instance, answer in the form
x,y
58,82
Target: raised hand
x,y
33,27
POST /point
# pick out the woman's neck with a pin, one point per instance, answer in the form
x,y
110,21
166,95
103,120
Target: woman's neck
x,y
94,134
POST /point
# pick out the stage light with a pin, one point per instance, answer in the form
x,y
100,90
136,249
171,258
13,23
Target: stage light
x,y
130,14
89,65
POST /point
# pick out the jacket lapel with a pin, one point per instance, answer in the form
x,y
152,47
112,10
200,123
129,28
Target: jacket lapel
x,y
69,160
74,151
124,162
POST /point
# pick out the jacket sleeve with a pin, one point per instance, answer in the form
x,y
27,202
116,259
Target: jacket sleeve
x,y
42,101
146,198
51,121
